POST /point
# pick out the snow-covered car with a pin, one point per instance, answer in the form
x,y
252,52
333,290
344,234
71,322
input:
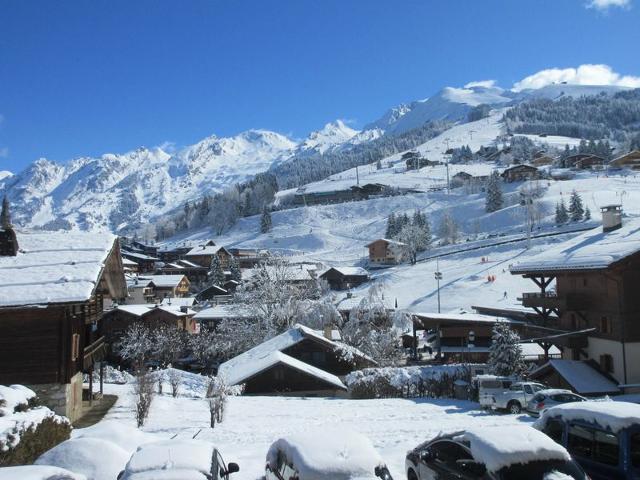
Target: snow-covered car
x,y
604,437
331,454
177,460
38,472
545,399
515,452
502,393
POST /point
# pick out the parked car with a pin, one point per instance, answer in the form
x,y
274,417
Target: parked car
x,y
604,437
515,452
545,399
177,459
38,472
325,454
503,393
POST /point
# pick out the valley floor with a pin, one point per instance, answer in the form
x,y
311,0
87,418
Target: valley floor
x,y
253,423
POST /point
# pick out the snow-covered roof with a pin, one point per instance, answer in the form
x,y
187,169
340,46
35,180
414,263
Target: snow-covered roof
x,y
127,262
503,446
143,309
53,267
349,271
205,250
612,415
261,357
178,301
463,318
327,453
583,378
164,281
187,263
190,458
534,350
301,272
593,250
229,310
139,256
387,240
350,302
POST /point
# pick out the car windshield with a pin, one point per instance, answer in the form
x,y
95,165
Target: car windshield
x,y
542,470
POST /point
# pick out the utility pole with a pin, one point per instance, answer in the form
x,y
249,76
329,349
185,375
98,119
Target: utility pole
x,y
438,276
357,177
471,132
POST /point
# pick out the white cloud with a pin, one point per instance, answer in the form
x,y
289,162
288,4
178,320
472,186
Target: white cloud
x,y
606,4
481,83
583,75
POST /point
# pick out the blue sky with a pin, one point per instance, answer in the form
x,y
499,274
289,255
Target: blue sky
x,y
88,77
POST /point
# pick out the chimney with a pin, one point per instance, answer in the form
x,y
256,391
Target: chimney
x,y
184,309
328,329
611,217
8,239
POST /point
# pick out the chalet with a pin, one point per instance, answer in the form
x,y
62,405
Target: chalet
x,y
583,377
139,291
212,316
344,278
415,161
231,285
464,179
301,274
583,161
146,263
520,173
150,250
197,274
385,251
52,287
130,266
212,293
350,301
299,361
628,160
249,257
179,302
588,287
202,255
543,161
168,285
116,320
169,255
325,197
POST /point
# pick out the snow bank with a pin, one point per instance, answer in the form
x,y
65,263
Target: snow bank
x,y
38,472
614,416
112,375
12,396
12,427
500,447
320,454
94,458
117,432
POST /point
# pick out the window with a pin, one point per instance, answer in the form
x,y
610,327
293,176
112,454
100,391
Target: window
x,y
278,374
634,449
606,363
596,445
605,326
516,388
75,346
528,389
449,452
554,430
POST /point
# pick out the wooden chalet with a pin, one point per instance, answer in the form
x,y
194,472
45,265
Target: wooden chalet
x,y
386,252
588,288
249,257
628,160
300,361
213,293
344,278
197,274
464,179
52,289
584,161
146,263
520,173
130,266
168,285
150,250
543,161
203,255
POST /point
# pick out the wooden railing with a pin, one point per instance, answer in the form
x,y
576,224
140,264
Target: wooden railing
x,y
94,352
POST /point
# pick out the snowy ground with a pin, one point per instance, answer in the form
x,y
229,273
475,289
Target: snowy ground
x,y
253,423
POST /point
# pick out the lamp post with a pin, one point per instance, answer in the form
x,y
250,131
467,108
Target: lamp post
x,y
438,276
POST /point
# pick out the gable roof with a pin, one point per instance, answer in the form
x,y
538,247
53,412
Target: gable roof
x,y
592,250
633,157
138,256
238,366
388,241
205,250
228,310
178,301
163,281
57,267
582,377
140,310
347,271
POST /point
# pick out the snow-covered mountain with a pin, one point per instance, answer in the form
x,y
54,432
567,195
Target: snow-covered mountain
x,y
117,191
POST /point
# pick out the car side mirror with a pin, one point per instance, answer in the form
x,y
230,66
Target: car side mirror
x,y
470,466
231,468
427,456
382,472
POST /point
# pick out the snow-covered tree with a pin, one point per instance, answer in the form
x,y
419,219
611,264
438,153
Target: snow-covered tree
x,y
505,352
494,200
576,210
392,228
448,229
216,272
265,221
587,213
234,269
415,239
562,216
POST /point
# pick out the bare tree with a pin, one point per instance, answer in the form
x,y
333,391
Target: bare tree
x,y
143,390
217,393
448,229
175,380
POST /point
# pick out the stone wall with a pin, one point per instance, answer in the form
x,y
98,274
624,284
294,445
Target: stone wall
x,y
63,398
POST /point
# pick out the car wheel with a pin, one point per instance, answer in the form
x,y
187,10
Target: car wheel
x,y
411,475
514,407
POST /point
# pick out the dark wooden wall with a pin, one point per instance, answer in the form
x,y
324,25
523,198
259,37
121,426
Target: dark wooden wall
x,y
282,379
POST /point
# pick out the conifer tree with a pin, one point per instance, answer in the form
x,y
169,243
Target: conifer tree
x,y
265,221
216,272
505,353
576,210
234,268
587,214
562,216
494,199
391,230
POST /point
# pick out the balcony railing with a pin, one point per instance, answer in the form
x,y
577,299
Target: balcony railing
x,y
544,300
95,352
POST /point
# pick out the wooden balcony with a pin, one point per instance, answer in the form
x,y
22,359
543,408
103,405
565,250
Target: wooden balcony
x,y
93,353
549,300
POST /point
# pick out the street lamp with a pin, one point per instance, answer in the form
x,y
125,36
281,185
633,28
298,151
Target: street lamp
x,y
438,276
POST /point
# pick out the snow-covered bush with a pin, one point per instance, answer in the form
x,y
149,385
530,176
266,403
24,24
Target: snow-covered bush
x,y
143,391
111,375
505,352
26,432
406,382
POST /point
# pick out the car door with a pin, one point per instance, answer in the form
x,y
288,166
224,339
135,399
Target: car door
x,y
443,464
